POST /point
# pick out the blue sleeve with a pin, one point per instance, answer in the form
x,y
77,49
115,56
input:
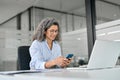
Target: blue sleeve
x,y
37,61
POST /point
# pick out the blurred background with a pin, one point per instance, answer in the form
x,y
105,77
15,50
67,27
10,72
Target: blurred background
x,y
19,19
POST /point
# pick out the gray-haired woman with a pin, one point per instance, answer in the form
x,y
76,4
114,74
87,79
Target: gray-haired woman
x,y
45,51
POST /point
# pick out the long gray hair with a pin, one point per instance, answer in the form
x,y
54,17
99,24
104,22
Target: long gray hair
x,y
44,25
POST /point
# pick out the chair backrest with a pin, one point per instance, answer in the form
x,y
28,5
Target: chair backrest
x,y
23,58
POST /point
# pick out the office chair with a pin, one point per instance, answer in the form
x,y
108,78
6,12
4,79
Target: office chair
x,y
23,58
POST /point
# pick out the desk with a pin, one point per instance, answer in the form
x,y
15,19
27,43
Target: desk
x,y
68,74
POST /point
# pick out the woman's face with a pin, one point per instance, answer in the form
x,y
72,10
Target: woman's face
x,y
52,32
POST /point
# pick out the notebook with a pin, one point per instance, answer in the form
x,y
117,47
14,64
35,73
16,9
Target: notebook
x,y
104,54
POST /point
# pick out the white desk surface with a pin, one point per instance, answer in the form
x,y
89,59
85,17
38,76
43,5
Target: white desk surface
x,y
71,74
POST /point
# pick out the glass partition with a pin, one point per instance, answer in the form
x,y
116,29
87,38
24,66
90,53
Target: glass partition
x,y
107,10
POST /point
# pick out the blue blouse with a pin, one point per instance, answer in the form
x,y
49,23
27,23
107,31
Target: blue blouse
x,y
41,53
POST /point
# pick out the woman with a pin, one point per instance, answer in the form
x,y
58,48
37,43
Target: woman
x,y
45,51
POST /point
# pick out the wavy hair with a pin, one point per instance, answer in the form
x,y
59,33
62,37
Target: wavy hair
x,y
44,25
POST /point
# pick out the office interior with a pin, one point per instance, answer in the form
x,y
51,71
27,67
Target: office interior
x,y
19,19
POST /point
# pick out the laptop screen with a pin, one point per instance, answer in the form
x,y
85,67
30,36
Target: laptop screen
x,y
104,54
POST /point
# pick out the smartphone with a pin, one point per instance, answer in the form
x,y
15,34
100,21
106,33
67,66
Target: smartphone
x,y
69,56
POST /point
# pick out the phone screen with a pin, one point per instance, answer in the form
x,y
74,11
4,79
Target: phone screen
x,y
69,56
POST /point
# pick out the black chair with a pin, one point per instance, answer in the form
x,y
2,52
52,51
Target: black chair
x,y
23,58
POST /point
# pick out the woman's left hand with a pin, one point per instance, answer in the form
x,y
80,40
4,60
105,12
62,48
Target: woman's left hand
x,y
66,62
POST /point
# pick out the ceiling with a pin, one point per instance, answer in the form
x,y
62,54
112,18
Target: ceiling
x,y
10,8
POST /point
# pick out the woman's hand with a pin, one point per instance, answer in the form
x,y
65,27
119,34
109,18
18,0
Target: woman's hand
x,y
62,62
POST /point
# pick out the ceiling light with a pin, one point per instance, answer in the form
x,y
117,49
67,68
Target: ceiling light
x,y
101,34
78,38
113,32
117,40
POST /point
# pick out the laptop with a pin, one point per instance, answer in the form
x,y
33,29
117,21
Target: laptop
x,y
104,54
